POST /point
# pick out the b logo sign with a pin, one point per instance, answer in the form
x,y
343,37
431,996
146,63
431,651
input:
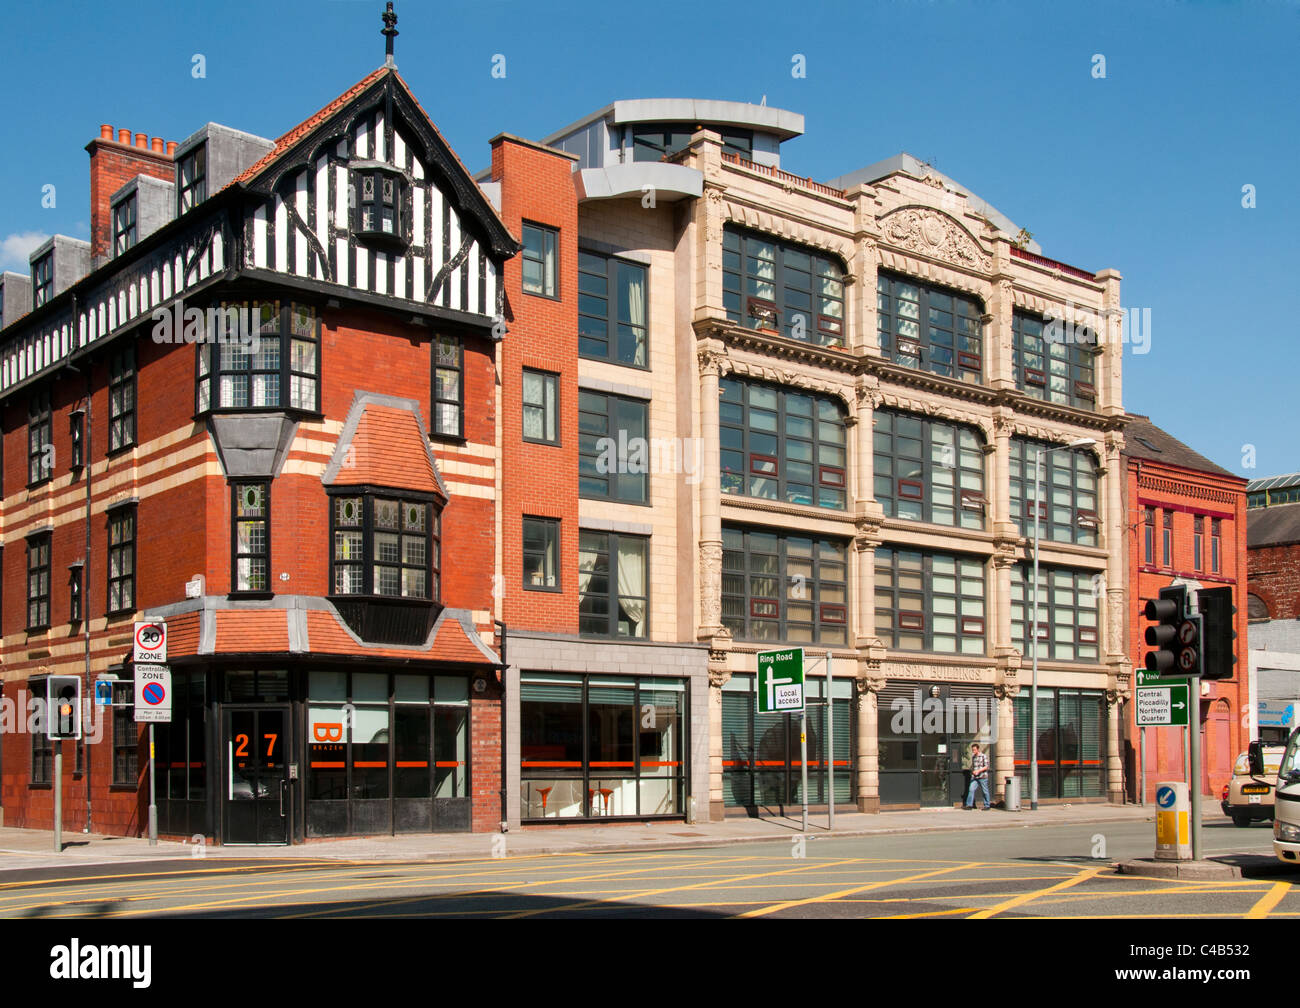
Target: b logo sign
x,y
150,643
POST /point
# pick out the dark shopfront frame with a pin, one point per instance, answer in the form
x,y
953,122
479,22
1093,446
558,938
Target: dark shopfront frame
x,y
205,815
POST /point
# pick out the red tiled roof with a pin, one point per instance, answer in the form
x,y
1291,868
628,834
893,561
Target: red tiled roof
x,y
326,635
183,634
452,644
240,631
307,125
389,449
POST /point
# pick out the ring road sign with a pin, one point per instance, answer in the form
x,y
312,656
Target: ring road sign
x,y
780,681
150,643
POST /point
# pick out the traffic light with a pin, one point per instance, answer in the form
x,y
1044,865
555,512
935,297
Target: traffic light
x,y
1217,612
63,704
1176,636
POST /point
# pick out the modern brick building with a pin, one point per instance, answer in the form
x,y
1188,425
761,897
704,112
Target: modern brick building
x,y
262,405
1186,525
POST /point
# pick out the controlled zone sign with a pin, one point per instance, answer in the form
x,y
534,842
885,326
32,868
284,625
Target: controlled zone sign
x,y
1162,706
780,681
153,693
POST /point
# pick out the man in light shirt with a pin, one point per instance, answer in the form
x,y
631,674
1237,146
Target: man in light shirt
x,y
979,776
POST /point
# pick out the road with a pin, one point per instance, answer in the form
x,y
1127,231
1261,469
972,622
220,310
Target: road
x,y
1046,871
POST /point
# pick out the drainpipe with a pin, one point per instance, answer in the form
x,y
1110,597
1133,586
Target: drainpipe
x,y
505,817
88,459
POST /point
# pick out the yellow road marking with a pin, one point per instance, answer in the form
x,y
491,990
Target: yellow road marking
x,y
1024,898
849,892
1268,901
697,885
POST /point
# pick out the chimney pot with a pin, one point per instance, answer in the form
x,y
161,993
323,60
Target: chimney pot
x,y
106,132
124,137
157,145
171,148
142,140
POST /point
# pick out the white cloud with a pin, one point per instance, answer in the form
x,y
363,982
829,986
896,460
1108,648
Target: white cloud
x,y
16,248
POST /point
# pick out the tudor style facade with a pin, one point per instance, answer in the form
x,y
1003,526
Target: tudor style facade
x,y
270,411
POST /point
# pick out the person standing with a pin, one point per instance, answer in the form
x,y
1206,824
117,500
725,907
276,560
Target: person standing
x,y
979,777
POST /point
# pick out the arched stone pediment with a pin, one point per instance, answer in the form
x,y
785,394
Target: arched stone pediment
x,y
932,233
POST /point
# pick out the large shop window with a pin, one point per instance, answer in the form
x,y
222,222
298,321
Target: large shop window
x,y
767,284
260,356
1067,498
761,758
597,746
928,328
1071,742
1056,370
930,601
612,310
925,470
1068,602
385,546
613,585
780,444
387,753
784,588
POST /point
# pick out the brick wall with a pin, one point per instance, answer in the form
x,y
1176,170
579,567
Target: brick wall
x,y
114,163
1275,578
539,480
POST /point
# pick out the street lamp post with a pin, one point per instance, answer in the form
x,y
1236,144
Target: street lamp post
x,y
1033,689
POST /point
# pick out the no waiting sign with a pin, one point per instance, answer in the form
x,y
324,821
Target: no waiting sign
x,y
153,693
150,643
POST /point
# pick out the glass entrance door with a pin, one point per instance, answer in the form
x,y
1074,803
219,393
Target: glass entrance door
x,y
934,770
257,803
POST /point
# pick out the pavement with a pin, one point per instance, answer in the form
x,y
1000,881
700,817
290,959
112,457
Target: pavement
x,y
25,848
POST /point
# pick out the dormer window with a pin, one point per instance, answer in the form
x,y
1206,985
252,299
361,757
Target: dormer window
x,y
43,279
192,179
377,195
124,229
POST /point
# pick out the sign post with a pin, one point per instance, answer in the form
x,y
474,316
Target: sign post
x,y
153,699
780,689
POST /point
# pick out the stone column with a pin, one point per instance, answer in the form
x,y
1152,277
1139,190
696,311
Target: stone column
x,y
868,762
1006,749
1114,774
718,676
710,356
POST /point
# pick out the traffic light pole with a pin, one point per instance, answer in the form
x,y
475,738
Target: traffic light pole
x,y
58,796
1194,777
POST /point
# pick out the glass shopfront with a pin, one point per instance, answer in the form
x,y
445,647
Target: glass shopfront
x,y
386,753
761,756
599,746
1071,742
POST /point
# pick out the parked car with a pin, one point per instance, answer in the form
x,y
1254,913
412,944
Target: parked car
x,y
1250,796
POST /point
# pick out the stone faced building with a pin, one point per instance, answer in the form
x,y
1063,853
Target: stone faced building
x,y
868,370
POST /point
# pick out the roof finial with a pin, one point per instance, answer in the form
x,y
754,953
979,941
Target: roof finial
x,y
389,33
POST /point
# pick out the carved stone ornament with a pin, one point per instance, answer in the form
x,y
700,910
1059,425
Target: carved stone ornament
x,y
935,235
1006,690
710,360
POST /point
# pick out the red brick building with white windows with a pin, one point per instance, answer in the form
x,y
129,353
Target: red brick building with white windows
x,y
265,412
1187,525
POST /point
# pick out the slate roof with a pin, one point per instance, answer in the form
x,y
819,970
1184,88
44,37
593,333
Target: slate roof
x,y
1144,440
1273,525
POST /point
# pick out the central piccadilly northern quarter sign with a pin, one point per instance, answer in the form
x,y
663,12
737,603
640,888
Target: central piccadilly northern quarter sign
x,y
780,681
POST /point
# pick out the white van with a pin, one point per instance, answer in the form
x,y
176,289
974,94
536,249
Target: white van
x,y
1286,812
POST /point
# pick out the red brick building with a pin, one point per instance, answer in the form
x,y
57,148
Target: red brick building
x,y
1187,524
263,407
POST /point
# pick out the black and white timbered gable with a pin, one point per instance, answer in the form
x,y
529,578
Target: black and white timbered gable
x,y
367,195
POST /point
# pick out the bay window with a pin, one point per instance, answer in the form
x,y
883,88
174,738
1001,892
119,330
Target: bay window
x,y
260,356
385,546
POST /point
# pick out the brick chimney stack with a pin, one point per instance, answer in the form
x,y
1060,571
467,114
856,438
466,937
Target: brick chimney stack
x,y
113,163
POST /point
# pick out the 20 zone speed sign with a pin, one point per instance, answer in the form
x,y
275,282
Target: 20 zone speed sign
x,y
150,643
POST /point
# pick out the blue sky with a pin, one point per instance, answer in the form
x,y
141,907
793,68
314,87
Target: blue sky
x,y
1142,170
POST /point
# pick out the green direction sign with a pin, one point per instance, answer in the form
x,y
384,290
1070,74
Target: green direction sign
x,y
780,681
1162,706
